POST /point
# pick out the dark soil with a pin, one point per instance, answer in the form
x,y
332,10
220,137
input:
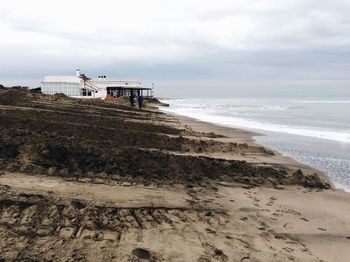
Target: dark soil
x,y
62,136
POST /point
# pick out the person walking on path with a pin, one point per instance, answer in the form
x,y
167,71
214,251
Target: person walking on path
x,y
140,100
131,98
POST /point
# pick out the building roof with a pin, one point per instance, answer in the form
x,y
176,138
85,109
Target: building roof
x,y
129,87
70,79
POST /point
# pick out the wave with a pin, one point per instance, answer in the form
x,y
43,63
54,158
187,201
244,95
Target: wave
x,y
340,136
274,108
324,101
227,106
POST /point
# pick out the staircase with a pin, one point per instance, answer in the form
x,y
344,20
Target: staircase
x,y
89,86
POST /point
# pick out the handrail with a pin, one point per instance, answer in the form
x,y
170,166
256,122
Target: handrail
x,y
89,86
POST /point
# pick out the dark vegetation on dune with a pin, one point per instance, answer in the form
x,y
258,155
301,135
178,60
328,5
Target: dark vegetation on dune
x,y
62,136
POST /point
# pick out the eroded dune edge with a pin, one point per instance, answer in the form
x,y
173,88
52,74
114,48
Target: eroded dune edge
x,y
98,181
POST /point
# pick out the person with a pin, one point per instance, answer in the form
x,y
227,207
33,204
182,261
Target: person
x,y
140,100
132,98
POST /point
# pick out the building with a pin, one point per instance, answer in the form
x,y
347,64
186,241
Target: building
x,y
81,86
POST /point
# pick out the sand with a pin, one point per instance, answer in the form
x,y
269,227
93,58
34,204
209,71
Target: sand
x,y
316,222
98,181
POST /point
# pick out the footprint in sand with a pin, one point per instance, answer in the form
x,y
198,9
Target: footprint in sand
x,y
263,226
288,249
210,231
247,258
213,252
272,201
142,253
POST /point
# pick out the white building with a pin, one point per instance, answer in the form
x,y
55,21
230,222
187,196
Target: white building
x,y
80,86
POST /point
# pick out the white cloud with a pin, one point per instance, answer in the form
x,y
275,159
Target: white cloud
x,y
95,34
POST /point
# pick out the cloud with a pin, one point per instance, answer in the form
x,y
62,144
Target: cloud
x,y
224,40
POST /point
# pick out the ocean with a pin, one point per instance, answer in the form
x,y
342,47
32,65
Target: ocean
x,y
314,132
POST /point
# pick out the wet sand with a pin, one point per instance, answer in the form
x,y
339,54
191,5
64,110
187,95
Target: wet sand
x,y
103,182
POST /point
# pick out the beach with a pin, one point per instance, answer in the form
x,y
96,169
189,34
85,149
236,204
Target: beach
x,y
317,220
99,181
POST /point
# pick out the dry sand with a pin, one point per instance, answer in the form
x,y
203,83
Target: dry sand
x,y
143,186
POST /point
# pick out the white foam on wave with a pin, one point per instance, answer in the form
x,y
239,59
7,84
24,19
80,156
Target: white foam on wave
x,y
340,136
324,101
224,106
273,108
325,156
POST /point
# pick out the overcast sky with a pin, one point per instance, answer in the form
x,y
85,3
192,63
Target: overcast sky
x,y
187,48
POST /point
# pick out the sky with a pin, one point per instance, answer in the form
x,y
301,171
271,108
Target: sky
x,y
192,48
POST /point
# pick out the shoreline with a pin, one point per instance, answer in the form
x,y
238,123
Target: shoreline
x,y
323,216
240,135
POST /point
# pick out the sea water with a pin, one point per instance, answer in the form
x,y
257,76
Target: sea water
x,y
314,132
